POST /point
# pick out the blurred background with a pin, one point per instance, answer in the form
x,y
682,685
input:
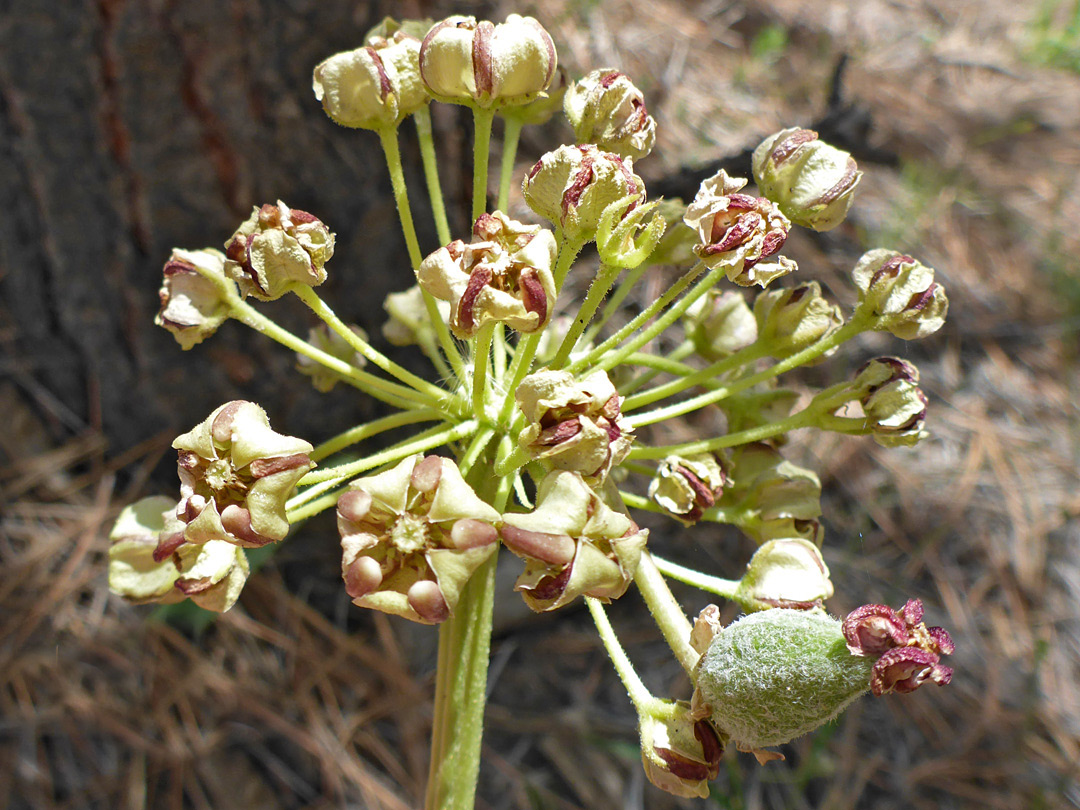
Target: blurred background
x,y
128,128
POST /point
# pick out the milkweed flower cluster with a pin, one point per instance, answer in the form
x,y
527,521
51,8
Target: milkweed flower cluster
x,y
536,428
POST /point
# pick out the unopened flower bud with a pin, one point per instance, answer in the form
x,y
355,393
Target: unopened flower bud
x,y
212,574
574,185
812,181
894,405
605,108
465,61
409,322
681,753
775,675
235,476
277,248
791,319
324,338
573,424
622,237
908,652
685,486
504,275
787,573
412,536
720,323
573,543
192,305
375,86
899,294
737,231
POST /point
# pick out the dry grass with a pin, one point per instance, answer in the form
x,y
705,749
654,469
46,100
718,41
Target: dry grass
x,y
277,705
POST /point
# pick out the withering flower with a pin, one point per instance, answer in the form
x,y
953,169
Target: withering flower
x,y
606,108
812,182
737,231
375,86
899,294
192,305
685,486
276,248
211,574
574,185
487,64
908,652
681,753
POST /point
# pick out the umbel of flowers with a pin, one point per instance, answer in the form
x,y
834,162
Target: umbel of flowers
x,y
536,426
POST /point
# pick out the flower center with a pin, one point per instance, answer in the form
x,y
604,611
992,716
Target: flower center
x,y
409,534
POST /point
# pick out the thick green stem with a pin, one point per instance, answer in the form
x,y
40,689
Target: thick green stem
x,y
388,138
511,134
461,680
422,120
597,290
666,612
482,119
725,588
847,331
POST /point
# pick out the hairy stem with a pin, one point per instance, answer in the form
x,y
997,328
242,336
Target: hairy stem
x,y
422,120
725,588
482,119
666,612
511,134
388,138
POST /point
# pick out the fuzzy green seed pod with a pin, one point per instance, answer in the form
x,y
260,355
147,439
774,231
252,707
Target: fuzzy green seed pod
x,y
773,676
